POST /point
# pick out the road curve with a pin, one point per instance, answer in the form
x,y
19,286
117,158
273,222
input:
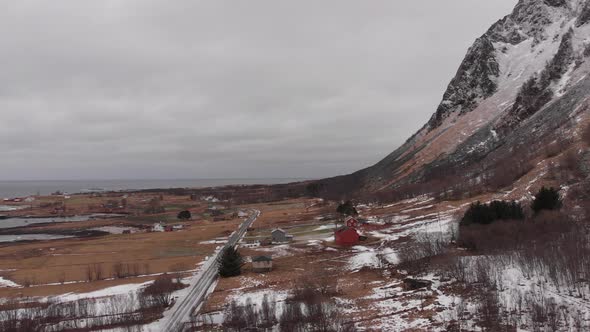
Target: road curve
x,y
181,311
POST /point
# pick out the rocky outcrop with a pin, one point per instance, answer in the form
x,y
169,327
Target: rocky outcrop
x,y
584,16
475,80
519,83
477,76
556,3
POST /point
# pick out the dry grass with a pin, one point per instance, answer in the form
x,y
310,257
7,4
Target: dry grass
x,y
66,260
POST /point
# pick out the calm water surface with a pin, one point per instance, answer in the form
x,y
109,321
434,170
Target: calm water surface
x,y
25,188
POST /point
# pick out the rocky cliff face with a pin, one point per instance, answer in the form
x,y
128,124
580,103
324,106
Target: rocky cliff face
x,y
527,68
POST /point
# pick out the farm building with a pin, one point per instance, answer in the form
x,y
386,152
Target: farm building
x,y
158,227
261,264
346,236
280,236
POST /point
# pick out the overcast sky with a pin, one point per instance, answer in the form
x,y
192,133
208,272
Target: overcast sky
x,y
222,89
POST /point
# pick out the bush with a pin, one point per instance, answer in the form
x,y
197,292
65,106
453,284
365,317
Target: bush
x,y
160,291
231,263
506,236
546,199
184,215
479,213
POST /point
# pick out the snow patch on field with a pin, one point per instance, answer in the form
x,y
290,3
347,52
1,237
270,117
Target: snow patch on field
x,y
363,257
283,250
8,283
110,291
325,227
216,241
431,225
406,310
418,208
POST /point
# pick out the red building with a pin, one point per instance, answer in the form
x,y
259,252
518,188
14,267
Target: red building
x,y
346,236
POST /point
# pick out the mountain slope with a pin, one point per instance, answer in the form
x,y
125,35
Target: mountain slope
x,y
522,85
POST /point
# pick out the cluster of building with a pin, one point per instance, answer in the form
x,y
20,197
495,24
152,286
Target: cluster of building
x,y
263,263
162,227
29,199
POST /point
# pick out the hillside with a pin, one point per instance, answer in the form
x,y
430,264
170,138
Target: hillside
x,y
523,86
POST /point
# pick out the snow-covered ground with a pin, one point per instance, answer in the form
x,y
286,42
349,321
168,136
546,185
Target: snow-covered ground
x,y
7,283
106,292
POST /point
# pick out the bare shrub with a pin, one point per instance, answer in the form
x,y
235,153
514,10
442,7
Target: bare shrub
x,y
267,312
94,272
117,271
234,317
416,255
160,291
456,268
62,278
292,317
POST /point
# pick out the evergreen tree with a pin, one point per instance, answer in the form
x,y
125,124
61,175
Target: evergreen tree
x,y
230,264
479,213
546,199
347,209
185,215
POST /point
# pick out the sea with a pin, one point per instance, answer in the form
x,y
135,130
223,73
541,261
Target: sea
x,y
11,189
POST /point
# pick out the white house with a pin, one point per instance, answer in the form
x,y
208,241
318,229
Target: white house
x,y
158,227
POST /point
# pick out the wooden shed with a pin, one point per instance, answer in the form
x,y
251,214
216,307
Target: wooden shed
x,y
261,264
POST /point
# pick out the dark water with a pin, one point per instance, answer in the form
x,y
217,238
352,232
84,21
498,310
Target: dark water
x,y
25,188
31,237
21,222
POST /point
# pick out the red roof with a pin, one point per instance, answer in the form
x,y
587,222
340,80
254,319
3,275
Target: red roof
x,y
346,236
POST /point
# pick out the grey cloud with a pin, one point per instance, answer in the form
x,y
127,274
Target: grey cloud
x,y
145,88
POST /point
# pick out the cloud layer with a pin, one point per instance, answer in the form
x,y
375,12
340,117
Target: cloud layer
x,y
210,89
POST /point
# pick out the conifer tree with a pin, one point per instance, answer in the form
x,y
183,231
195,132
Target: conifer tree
x,y
230,264
546,199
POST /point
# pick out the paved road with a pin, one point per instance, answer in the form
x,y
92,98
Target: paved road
x,y
181,312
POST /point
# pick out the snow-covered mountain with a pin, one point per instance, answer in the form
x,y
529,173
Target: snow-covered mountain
x,y
523,84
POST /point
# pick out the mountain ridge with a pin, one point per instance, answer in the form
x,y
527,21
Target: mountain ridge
x,y
522,65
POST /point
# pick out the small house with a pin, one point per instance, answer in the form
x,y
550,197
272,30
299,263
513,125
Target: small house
x,y
346,236
261,264
158,227
280,236
177,227
242,214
